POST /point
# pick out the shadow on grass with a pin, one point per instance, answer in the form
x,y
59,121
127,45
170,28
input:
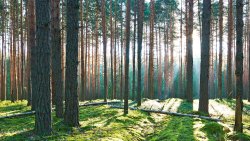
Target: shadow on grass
x,y
176,128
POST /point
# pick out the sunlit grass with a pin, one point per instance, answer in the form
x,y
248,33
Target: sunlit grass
x,y
103,122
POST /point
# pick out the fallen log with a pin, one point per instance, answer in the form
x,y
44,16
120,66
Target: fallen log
x,y
80,105
171,113
18,115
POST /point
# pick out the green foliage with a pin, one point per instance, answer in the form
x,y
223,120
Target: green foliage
x,y
7,107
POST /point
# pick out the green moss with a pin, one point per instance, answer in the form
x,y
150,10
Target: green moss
x,y
8,107
213,130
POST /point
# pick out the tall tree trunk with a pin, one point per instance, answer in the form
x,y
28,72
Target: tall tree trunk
x,y
71,116
56,58
126,91
151,51
180,69
63,49
239,66
32,52
115,57
139,43
104,50
249,51
220,52
121,64
205,48
111,47
190,52
43,122
22,52
229,50
3,95
81,95
134,43
96,51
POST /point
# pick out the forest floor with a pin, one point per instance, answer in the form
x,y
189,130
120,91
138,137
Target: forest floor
x,y
109,124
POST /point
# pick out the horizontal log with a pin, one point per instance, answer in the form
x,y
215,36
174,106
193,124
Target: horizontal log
x,y
171,113
80,105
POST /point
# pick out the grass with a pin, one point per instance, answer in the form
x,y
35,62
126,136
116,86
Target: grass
x,y
102,122
7,107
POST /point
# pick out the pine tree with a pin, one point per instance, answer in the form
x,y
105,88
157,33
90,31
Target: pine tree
x,y
239,66
139,43
205,49
127,34
71,116
43,122
56,58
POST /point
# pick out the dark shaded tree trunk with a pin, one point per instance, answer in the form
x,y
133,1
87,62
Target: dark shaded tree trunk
x,y
249,51
139,43
31,60
205,48
71,116
229,50
82,94
151,51
104,50
43,123
238,127
56,58
220,52
126,91
190,52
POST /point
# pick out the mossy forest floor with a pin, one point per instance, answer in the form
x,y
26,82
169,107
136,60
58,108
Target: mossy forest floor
x,y
108,124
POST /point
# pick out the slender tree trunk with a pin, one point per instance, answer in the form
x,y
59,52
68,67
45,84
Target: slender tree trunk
x,y
96,50
139,43
190,52
220,52
151,51
160,66
56,58
32,47
63,50
134,43
229,50
81,95
43,122
205,48
111,47
239,66
71,116
115,57
22,53
126,91
104,50
121,64
249,51
3,95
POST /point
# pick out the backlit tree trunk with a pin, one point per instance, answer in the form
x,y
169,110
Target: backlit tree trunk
x,y
205,48
220,52
151,52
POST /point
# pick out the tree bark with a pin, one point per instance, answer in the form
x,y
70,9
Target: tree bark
x,y
190,52
205,48
220,52
229,50
126,91
43,122
239,66
139,43
71,116
151,52
56,58
104,50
